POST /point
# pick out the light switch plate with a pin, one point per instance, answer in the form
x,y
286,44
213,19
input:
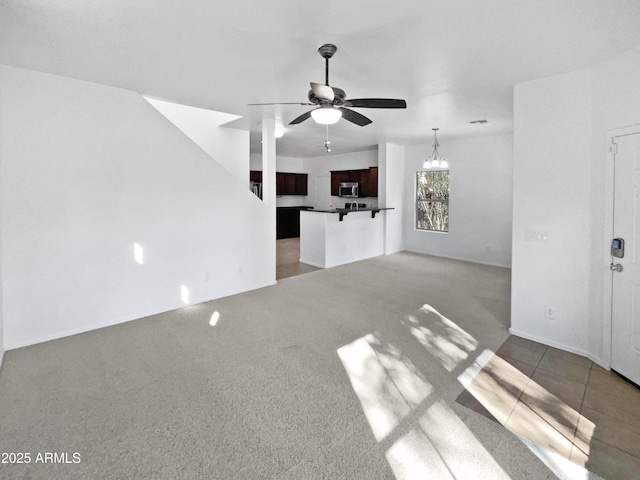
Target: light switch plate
x,y
538,236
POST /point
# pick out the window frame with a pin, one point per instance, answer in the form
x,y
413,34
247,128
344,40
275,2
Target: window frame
x,y
417,201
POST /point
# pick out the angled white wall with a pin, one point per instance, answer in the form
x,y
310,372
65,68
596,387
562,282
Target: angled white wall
x,y
227,146
87,172
480,200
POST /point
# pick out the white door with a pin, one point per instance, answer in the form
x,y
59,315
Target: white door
x,y
625,328
323,193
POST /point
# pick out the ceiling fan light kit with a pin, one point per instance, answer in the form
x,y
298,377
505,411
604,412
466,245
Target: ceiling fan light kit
x,y
326,115
435,160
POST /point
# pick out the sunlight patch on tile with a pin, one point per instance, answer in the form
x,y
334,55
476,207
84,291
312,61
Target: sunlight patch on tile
x,y
562,467
553,429
472,371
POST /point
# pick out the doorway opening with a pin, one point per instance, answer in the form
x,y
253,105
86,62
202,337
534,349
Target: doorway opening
x,y
288,262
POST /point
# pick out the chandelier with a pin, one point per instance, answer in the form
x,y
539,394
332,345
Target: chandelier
x,y
435,160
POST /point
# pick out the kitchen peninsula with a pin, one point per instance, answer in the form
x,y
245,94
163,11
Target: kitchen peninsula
x,y
334,237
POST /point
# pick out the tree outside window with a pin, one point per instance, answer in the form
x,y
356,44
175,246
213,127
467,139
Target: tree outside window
x,y
432,201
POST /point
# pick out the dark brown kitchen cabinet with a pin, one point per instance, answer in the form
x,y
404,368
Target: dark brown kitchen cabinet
x,y
343,176
336,178
255,176
367,178
369,183
291,183
279,184
301,183
286,183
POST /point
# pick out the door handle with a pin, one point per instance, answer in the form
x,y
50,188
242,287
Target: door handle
x,y
616,267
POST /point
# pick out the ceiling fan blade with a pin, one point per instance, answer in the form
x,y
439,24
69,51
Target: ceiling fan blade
x,y
375,103
323,92
354,117
280,103
301,118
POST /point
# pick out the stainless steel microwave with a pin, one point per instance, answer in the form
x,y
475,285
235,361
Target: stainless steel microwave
x,y
348,189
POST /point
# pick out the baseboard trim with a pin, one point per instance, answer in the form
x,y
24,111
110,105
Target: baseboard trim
x,y
68,333
461,259
313,264
96,326
561,346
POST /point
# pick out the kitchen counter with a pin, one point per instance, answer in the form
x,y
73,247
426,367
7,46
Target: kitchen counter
x,y
345,211
327,241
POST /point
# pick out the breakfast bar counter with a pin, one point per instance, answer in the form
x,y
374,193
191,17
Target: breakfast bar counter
x,y
329,238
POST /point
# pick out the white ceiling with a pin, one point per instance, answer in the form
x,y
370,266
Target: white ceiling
x,y
453,61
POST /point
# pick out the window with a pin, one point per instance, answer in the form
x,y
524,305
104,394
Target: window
x,y
432,201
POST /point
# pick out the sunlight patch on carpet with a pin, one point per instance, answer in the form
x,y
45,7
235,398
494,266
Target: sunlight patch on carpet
x,y
441,337
423,437
215,317
387,384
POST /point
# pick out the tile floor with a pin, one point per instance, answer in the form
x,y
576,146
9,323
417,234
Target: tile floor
x,y
288,259
563,402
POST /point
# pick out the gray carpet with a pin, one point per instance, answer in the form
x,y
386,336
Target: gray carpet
x,y
337,374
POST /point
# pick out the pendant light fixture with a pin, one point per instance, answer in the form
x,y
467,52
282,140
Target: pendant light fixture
x,y
435,160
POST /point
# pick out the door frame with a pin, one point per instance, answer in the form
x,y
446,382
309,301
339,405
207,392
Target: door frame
x,y
607,324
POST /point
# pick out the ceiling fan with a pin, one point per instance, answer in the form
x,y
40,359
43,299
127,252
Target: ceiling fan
x,y
331,103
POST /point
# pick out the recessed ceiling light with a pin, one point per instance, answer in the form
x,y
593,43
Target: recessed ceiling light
x,y
479,121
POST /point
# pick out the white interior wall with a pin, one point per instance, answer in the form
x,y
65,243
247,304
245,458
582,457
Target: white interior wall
x,y
89,170
391,194
1,269
552,195
480,200
560,186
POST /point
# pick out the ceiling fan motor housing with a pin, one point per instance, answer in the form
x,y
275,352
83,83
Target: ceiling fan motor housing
x,y
327,50
338,99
